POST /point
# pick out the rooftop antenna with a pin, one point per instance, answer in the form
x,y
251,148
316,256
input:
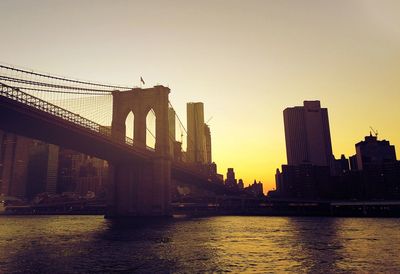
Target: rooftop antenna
x,y
375,132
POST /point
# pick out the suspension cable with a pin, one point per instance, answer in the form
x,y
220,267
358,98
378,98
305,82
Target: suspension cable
x,y
63,78
60,91
35,83
187,136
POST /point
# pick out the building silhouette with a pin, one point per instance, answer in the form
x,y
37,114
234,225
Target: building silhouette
x,y
196,141
240,184
29,167
255,189
373,174
14,161
375,162
310,162
43,169
304,181
340,166
371,151
231,181
207,139
307,135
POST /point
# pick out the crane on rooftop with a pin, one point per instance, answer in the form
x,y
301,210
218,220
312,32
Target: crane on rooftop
x,y
374,131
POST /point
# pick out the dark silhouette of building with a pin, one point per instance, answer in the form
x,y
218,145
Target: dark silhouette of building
x,y
43,169
29,167
14,160
255,189
240,184
340,166
231,181
207,138
309,154
81,173
196,143
379,169
307,135
303,181
374,174
353,162
371,151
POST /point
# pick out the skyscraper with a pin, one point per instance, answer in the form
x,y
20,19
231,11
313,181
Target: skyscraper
x,y
14,160
207,136
307,135
196,143
43,168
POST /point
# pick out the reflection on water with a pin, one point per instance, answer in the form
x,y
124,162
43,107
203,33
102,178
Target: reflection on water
x,y
81,244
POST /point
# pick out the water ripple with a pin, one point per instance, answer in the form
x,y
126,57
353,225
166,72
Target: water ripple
x,y
90,244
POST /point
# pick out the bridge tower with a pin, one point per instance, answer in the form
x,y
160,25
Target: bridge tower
x,y
141,187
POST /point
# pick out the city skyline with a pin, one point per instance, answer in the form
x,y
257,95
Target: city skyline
x,y
247,73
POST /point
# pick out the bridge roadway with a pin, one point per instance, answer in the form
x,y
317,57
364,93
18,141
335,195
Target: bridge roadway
x,y
32,117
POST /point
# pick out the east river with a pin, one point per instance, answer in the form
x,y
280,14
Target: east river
x,y
91,244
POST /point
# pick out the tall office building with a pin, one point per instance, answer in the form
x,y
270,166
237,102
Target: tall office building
x,y
307,135
207,136
196,143
14,160
43,169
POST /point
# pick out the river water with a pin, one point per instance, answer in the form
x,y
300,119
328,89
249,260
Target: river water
x,y
91,244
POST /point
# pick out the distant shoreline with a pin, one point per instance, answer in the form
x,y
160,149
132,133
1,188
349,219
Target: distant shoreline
x,y
375,210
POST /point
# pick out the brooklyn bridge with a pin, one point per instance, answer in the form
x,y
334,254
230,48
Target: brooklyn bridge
x,y
91,118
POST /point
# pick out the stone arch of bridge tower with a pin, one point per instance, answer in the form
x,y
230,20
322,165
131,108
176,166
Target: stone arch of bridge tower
x,y
129,125
151,131
140,102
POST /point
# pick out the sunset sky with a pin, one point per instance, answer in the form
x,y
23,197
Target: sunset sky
x,y
246,60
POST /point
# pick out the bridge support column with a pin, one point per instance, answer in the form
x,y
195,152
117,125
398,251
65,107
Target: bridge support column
x,y
140,189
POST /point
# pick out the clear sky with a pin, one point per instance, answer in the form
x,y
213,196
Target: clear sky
x,y
246,60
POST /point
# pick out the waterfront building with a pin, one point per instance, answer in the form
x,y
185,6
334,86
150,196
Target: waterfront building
x,y
81,173
43,169
307,135
380,171
14,160
371,151
303,181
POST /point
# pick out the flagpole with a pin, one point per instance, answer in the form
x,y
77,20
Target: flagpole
x,y
142,83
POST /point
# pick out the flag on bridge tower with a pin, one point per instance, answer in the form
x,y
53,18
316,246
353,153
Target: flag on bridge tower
x,y
141,80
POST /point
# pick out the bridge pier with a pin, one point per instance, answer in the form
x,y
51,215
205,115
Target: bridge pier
x,y
141,187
